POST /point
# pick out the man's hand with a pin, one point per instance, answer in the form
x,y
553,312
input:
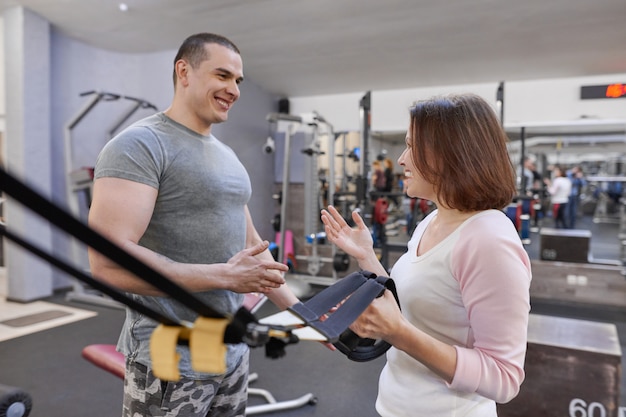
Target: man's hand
x,y
252,274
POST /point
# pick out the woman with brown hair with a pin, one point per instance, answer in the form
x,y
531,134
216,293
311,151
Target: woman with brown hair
x,y
459,336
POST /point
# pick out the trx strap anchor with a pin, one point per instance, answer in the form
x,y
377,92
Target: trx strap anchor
x,y
206,347
163,353
206,344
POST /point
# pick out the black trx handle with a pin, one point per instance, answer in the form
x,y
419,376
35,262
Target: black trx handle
x,y
353,293
361,349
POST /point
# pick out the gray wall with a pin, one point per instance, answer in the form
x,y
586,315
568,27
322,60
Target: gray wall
x,y
27,42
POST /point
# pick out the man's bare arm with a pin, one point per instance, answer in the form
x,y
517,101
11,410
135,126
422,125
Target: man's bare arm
x,y
121,211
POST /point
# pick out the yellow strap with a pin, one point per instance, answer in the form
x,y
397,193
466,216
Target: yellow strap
x,y
206,343
163,353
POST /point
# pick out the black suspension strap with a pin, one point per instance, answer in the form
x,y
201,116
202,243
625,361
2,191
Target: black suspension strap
x,y
242,328
352,294
238,328
83,277
64,221
361,349
206,336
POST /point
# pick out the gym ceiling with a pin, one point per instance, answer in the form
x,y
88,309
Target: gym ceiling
x,y
301,48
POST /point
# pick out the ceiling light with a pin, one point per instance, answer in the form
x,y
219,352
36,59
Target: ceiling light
x,y
123,7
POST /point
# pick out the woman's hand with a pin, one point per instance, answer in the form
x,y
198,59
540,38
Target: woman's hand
x,y
355,242
381,320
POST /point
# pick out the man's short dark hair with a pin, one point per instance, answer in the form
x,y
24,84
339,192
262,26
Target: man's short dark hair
x,y
194,52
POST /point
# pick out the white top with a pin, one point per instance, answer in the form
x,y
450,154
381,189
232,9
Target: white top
x,y
560,190
472,291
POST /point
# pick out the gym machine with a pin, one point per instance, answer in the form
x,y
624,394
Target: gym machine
x,y
319,132
362,179
80,181
138,104
313,195
292,124
320,186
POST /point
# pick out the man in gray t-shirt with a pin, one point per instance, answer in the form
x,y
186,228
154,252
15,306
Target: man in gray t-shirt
x,y
173,195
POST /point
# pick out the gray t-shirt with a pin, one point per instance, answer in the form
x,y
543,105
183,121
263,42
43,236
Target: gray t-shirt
x,y
199,215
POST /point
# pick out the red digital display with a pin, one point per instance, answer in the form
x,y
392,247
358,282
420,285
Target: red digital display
x,y
616,90
610,91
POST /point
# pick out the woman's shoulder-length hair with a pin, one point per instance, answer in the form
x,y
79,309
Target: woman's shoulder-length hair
x,y
459,146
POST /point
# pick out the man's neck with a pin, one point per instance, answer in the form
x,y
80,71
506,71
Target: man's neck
x,y
188,121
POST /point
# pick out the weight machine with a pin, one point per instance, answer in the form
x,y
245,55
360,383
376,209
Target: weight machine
x,y
80,181
312,192
321,133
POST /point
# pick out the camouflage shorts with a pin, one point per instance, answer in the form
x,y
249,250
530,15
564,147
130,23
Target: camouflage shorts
x,y
222,396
